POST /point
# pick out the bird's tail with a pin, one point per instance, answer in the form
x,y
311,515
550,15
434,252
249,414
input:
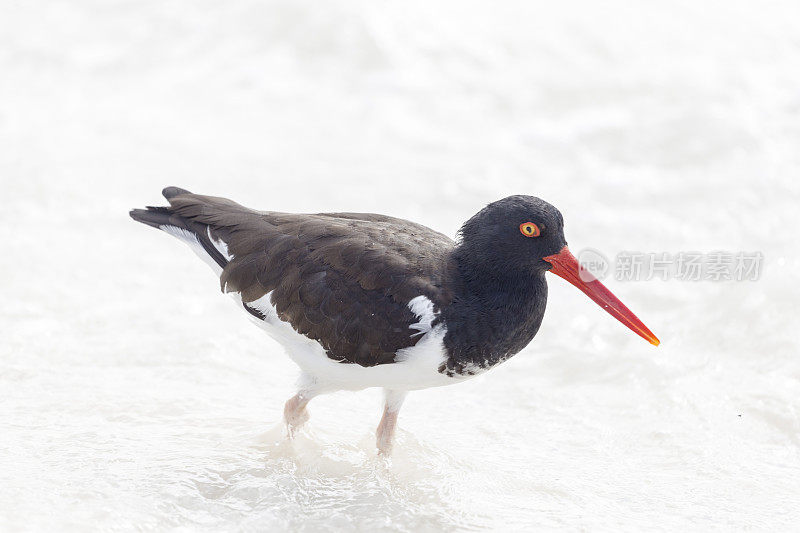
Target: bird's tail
x,y
208,243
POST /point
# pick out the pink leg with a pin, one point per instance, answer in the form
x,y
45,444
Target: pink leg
x,y
294,412
388,423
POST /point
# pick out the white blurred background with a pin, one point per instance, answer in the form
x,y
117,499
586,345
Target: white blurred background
x,y
134,396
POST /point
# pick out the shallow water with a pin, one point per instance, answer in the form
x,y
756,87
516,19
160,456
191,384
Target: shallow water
x,y
134,396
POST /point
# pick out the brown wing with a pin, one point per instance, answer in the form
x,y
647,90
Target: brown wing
x,y
343,279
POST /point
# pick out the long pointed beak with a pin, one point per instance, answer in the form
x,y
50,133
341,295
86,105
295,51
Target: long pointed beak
x,y
566,266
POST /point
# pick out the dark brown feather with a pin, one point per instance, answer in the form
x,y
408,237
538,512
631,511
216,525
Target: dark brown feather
x,y
343,279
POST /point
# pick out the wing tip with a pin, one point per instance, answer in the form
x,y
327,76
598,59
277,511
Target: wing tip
x,y
172,191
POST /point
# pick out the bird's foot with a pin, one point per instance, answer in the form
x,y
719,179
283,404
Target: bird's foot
x,y
295,414
384,446
296,422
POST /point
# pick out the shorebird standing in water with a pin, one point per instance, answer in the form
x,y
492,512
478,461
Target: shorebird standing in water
x,y
363,300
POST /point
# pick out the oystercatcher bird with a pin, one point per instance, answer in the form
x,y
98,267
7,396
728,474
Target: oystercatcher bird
x,y
363,300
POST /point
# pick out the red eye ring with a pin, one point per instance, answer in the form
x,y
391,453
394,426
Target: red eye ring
x,y
529,229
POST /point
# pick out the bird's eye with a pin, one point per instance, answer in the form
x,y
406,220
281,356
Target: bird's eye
x,y
529,229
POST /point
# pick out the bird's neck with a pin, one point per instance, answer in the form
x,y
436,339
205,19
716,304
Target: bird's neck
x,y
495,311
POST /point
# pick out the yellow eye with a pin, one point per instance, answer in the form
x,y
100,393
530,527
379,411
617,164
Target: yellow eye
x,y
529,229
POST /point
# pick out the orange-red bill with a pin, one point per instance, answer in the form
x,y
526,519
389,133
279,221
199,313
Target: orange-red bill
x,y
565,265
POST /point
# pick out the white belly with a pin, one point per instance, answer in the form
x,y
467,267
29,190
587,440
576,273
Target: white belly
x,y
416,367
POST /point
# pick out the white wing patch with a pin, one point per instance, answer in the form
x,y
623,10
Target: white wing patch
x,y
220,245
191,239
264,306
186,236
423,308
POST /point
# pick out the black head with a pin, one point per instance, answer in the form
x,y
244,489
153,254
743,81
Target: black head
x,y
522,235
513,234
